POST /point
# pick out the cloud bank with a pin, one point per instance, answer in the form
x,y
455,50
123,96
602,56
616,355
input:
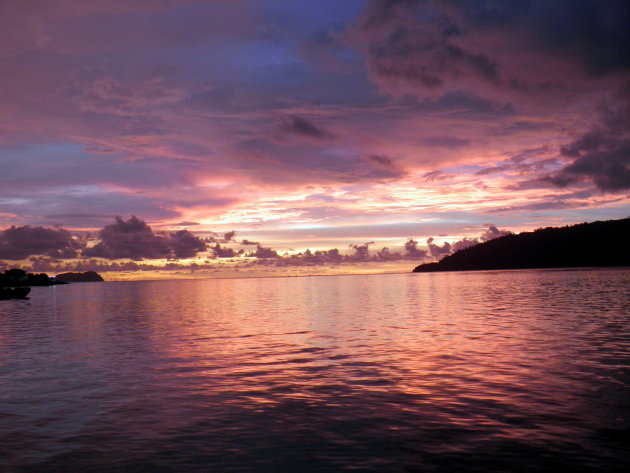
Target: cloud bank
x,y
601,155
132,245
17,243
135,240
272,116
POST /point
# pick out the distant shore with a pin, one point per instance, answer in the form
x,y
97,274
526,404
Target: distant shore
x,y
16,277
596,244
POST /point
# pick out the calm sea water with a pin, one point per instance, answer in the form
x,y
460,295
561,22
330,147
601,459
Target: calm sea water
x,y
516,371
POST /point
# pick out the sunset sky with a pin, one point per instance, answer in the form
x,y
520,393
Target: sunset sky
x,y
351,125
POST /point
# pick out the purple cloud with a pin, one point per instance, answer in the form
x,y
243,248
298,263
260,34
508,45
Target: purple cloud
x,y
493,232
17,243
361,254
463,244
134,239
412,250
437,250
262,252
447,248
183,244
361,251
601,155
224,252
430,47
187,110
303,128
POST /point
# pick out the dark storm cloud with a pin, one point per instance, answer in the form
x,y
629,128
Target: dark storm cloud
x,y
134,239
21,242
303,128
601,155
432,47
595,32
408,42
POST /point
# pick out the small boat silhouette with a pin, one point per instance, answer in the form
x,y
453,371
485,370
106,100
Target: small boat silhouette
x,y
14,293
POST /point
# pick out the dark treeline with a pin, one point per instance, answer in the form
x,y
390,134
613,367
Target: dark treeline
x,y
586,244
19,278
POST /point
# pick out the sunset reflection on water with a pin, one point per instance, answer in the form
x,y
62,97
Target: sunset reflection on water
x,y
380,373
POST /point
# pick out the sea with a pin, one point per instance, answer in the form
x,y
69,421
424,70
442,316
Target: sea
x,y
498,371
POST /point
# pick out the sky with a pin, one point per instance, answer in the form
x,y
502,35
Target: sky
x,y
176,138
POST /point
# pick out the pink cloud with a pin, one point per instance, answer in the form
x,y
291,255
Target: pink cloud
x,y
236,113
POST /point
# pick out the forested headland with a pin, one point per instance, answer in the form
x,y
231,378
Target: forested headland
x,y
603,243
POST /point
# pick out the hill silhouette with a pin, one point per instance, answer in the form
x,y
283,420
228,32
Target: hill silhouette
x,y
88,276
603,243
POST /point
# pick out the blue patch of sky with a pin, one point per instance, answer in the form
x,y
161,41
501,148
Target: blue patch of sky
x,y
465,169
62,164
309,15
23,160
288,24
273,63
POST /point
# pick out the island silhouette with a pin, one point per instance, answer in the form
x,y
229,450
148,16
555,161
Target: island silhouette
x,y
602,243
87,276
16,277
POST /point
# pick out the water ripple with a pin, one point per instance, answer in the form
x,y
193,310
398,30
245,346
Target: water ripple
x,y
493,371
